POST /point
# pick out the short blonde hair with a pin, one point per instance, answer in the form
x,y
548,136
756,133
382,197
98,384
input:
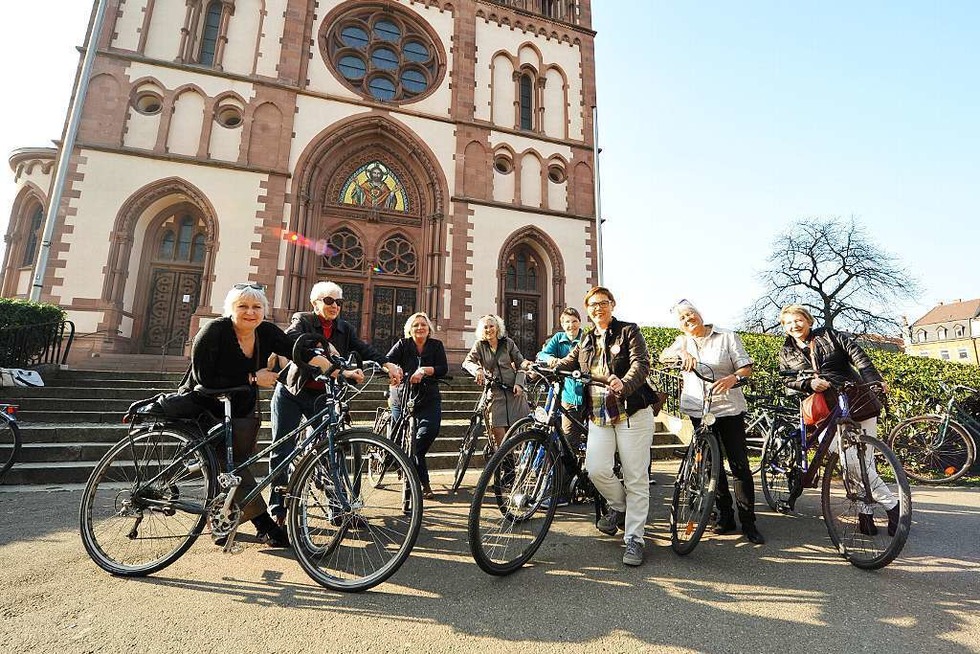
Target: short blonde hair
x,y
501,329
411,319
249,292
798,309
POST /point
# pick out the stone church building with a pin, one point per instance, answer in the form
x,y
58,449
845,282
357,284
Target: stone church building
x,y
430,155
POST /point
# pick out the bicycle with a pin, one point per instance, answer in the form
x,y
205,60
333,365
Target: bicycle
x,y
152,494
697,477
10,439
854,481
763,420
940,447
476,429
517,494
401,431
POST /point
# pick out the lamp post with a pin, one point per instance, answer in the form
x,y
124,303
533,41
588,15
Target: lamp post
x,y
67,146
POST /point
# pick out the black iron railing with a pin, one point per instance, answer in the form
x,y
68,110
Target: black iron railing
x,y
669,382
25,346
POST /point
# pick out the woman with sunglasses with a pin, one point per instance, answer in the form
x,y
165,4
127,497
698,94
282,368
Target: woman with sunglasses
x,y
231,351
722,350
294,397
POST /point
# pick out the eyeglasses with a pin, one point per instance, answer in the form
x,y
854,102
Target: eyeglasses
x,y
243,285
602,304
330,301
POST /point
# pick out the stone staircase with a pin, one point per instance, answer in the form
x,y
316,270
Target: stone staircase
x,y
69,424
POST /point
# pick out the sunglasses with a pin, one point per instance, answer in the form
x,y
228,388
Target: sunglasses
x,y
329,301
243,285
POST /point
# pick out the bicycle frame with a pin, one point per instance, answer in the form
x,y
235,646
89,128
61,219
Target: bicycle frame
x,y
326,420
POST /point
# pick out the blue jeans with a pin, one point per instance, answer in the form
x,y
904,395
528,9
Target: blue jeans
x,y
428,420
288,411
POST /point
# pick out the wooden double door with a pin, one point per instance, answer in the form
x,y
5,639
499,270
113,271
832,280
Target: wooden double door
x,y
173,296
388,309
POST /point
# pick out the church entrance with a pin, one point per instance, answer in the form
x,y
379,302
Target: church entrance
x,y
522,300
175,272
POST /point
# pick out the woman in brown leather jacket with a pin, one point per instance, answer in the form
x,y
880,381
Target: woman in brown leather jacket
x,y
614,354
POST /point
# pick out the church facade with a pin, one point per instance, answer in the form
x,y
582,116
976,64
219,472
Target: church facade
x,y
426,155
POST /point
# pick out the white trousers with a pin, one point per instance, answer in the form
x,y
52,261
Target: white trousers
x,y
632,441
879,489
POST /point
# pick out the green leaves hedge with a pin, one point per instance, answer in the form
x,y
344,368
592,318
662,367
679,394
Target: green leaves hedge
x,y
913,382
14,313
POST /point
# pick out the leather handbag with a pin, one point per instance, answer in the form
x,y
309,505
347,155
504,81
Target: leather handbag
x,y
864,402
814,409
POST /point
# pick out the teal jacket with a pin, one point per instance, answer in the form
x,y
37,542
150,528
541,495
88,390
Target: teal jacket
x,y
559,346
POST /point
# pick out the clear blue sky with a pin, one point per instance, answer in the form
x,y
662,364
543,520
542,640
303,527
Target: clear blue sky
x,y
724,123
721,124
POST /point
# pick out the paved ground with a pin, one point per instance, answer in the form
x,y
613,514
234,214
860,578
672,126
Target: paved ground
x,y
792,594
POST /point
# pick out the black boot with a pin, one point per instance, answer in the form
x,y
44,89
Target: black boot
x,y
866,524
269,532
892,520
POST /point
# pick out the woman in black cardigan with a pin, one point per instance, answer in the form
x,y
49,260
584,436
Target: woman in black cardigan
x,y
232,351
423,360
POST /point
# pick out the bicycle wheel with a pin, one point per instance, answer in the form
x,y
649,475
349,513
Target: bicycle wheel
x,y
349,536
466,448
780,471
757,428
133,523
694,492
9,444
379,463
514,503
854,497
930,453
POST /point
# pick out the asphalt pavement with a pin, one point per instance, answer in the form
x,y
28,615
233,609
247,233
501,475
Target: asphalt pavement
x,y
792,594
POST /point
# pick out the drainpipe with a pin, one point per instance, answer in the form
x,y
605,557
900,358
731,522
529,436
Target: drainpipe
x,y
67,146
598,199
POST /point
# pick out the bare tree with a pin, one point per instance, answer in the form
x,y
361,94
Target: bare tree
x,y
831,266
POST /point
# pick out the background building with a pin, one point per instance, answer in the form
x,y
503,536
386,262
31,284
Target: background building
x,y
425,155
948,331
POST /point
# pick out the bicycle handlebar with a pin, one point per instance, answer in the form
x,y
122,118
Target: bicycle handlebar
x,y
677,364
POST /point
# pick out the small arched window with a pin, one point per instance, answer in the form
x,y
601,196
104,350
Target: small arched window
x,y
522,273
958,331
181,239
209,38
344,251
941,333
33,237
527,101
397,257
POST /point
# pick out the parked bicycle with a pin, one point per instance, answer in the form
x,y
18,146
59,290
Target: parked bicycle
x,y
859,480
402,432
477,429
10,440
153,493
697,477
940,447
517,494
763,420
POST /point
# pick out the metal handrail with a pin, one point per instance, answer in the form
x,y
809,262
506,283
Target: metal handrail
x,y
671,383
23,346
166,346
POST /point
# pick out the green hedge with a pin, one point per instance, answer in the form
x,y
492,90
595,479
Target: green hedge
x,y
913,382
24,312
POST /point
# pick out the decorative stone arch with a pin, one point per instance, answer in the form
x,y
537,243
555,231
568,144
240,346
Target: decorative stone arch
x,y
26,204
321,171
550,253
123,241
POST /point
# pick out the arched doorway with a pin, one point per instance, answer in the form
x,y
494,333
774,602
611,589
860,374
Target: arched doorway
x,y
371,199
524,280
175,264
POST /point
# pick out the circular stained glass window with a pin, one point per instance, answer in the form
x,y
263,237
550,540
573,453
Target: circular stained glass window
x,y
382,53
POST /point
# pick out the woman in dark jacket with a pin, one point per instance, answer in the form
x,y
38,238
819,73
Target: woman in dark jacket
x,y
232,351
836,359
620,417
423,360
